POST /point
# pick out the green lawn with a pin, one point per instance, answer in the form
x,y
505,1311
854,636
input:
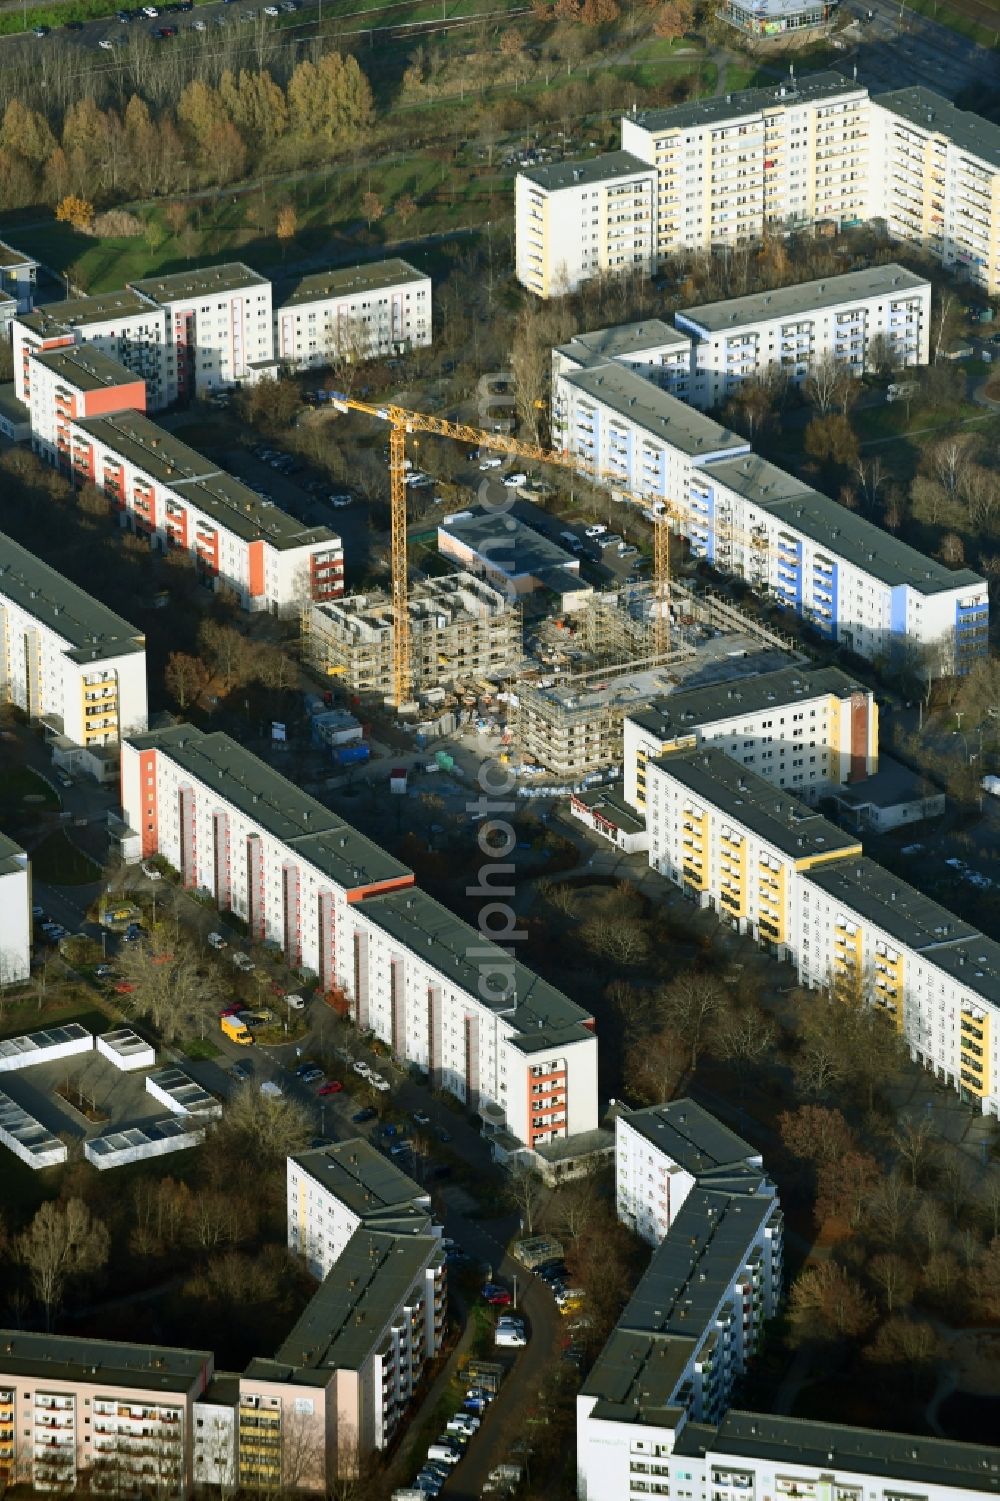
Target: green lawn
x,y
199,1047
58,862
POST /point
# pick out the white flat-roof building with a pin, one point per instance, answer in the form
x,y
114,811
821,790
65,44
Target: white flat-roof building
x,y
852,581
44,1047
15,913
218,328
167,492
75,382
437,991
126,1050
792,329
181,1094
334,1191
935,180
67,660
353,313
652,348
29,1140
936,976
17,277
800,728
731,168
734,843
156,1138
124,325
577,220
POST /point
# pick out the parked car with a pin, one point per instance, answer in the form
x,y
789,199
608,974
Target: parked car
x,y
332,1086
216,941
104,971
241,1070
421,1118
515,481
244,962
510,1339
150,871
490,464
361,1116
308,1071
497,1297
597,530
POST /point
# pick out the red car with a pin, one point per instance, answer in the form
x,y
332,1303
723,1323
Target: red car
x,y
232,1010
124,988
332,1086
277,989
499,1299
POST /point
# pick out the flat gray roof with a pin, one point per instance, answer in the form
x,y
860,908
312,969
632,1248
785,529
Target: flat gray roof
x,y
612,806
793,91
92,631
686,711
842,532
892,784
11,258
349,281
369,1184
371,1277
201,282
788,302
102,1362
594,169
779,818
636,1374
691,1136
936,115
915,920
30,1043
664,416
220,496
76,312
901,1458
86,367
12,407
318,835
149,1134
602,344
465,956
510,546
184,1090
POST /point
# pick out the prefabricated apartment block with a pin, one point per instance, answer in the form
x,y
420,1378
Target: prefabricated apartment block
x,y
800,728
437,991
196,332
15,912
67,661
654,1414
727,171
355,313
461,628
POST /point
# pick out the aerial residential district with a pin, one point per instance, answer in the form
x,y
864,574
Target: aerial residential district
x,y
500,751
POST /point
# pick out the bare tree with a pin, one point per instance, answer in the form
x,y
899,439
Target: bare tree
x,y
63,1243
526,1193
893,1276
826,383
654,1066
914,1141
689,1006
261,1128
827,1304
744,1038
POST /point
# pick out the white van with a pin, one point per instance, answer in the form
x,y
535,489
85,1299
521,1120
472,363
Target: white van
x,y
271,1090
444,1454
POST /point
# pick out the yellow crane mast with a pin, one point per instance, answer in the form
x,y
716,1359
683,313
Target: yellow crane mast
x,y
401,421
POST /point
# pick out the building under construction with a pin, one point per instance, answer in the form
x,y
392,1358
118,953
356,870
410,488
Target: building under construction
x,y
572,721
461,628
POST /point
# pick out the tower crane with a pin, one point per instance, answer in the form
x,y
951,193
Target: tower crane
x,y
401,421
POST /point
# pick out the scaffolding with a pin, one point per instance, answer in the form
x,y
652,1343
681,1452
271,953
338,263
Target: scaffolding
x,y
460,628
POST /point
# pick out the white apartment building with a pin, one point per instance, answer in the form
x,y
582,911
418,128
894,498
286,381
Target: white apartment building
x,y
852,581
354,313
578,220
124,325
88,1411
170,494
15,913
334,1191
803,728
76,381
791,329
662,1153
68,662
17,283
219,329
696,1316
935,180
440,993
860,926
731,168
735,843
640,438
652,348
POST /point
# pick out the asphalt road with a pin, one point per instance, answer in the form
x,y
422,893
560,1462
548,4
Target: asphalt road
x,y
899,48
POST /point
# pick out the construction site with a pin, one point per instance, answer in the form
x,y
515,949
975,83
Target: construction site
x,y
567,710
461,630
